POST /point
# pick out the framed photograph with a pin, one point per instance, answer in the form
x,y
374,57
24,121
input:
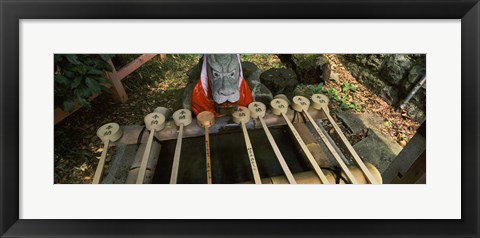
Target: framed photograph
x,y
38,36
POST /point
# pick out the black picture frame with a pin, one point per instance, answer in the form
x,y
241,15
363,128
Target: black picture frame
x,y
12,11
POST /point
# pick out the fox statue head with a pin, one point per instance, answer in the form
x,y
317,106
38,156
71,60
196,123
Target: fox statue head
x,y
223,71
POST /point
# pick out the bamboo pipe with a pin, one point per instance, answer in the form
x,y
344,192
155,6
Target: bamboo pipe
x,y
310,177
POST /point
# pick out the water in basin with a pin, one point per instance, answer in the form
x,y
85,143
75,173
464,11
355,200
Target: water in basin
x,y
229,157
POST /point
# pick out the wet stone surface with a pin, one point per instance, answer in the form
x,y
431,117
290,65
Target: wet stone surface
x,y
376,151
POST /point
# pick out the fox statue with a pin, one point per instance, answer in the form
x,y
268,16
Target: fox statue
x,y
221,87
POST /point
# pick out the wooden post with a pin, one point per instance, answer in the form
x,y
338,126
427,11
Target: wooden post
x,y
118,91
413,151
115,77
416,174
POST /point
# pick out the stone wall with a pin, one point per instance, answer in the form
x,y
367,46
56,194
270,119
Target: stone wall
x,y
392,77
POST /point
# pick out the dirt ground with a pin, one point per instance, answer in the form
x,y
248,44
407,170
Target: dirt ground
x,y
398,124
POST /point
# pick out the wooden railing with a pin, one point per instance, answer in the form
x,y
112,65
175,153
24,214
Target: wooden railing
x,y
115,77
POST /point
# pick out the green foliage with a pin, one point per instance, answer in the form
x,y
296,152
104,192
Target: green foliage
x,y
77,77
173,68
341,98
388,123
306,60
263,61
316,89
344,105
332,94
356,106
347,87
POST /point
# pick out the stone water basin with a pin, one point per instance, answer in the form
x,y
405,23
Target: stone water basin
x,y
229,157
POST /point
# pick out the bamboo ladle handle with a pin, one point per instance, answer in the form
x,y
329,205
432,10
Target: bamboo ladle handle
x,y
154,122
242,116
301,104
206,119
258,110
320,102
182,117
106,133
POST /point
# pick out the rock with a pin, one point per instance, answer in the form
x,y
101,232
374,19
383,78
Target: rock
x,y
374,62
251,71
334,77
389,69
415,74
137,160
391,77
416,112
351,121
395,68
324,69
262,94
377,150
374,83
309,68
194,74
120,165
420,96
187,95
372,121
352,67
279,81
371,61
390,94
251,74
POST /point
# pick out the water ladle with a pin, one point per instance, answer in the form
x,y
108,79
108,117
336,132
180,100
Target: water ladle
x,y
279,107
258,110
154,122
182,117
242,116
205,120
301,104
107,133
320,102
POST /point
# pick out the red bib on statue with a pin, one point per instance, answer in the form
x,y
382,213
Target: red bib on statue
x,y
202,102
